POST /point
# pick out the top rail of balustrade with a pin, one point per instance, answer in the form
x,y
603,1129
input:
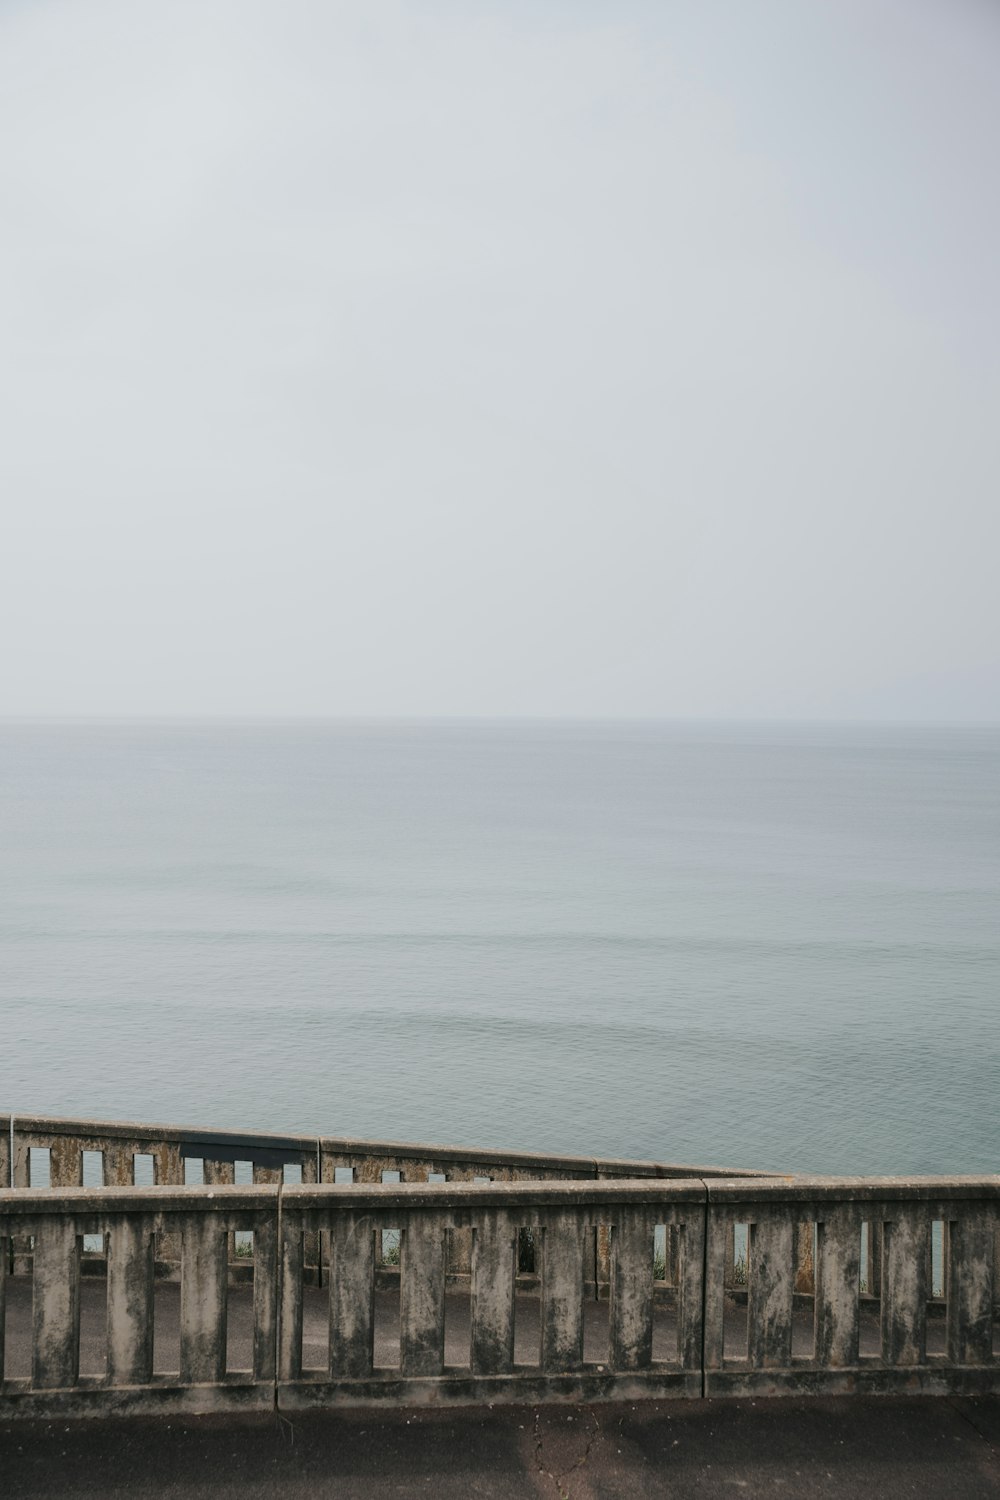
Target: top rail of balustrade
x,y
793,1192
421,1158
321,1157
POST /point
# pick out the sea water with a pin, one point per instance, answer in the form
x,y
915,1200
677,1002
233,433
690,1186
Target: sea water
x,y
767,946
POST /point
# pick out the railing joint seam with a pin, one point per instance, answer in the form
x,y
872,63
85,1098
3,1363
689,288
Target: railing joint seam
x,y
704,1287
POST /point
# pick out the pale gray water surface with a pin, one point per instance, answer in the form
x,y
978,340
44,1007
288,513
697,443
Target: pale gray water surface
x,y
772,946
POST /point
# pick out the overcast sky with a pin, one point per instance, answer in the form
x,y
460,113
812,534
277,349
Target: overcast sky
x,y
534,358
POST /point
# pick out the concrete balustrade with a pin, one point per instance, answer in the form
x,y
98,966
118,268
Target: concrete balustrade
x,y
563,1217
129,1221
637,1287
841,1339
166,1149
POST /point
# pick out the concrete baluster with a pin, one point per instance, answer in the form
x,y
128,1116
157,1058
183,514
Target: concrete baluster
x,y
130,1302
219,1173
494,1267
771,1276
65,1162
690,1265
290,1349
969,1285
837,1287
631,1272
905,1237
718,1259
22,1160
265,1301
203,1300
266,1176
118,1167
56,1304
562,1291
421,1305
5,1248
352,1292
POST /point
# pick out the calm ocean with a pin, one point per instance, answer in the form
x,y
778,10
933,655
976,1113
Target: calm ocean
x,y
755,946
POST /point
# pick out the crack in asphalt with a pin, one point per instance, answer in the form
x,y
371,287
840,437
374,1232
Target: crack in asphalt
x,y
564,1474
953,1403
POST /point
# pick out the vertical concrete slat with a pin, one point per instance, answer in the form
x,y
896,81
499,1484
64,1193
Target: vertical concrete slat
x,y
771,1277
267,1176
203,1299
968,1253
65,1162
904,1285
352,1296
290,1350
4,1257
265,1300
218,1173
631,1274
130,1302
494,1270
22,1159
168,1165
118,1164
55,1357
717,1259
421,1301
690,1295
838,1284
562,1291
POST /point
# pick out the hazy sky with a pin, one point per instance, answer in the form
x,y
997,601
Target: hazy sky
x,y
528,358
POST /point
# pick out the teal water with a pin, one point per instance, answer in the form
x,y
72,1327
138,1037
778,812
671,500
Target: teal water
x,y
761,946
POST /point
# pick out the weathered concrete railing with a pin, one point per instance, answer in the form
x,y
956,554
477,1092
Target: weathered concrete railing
x,y
879,1314
488,1354
39,1151
201,1220
167,1148
289,1342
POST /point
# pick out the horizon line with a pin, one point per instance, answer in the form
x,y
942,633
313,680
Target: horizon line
x,y
763,720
